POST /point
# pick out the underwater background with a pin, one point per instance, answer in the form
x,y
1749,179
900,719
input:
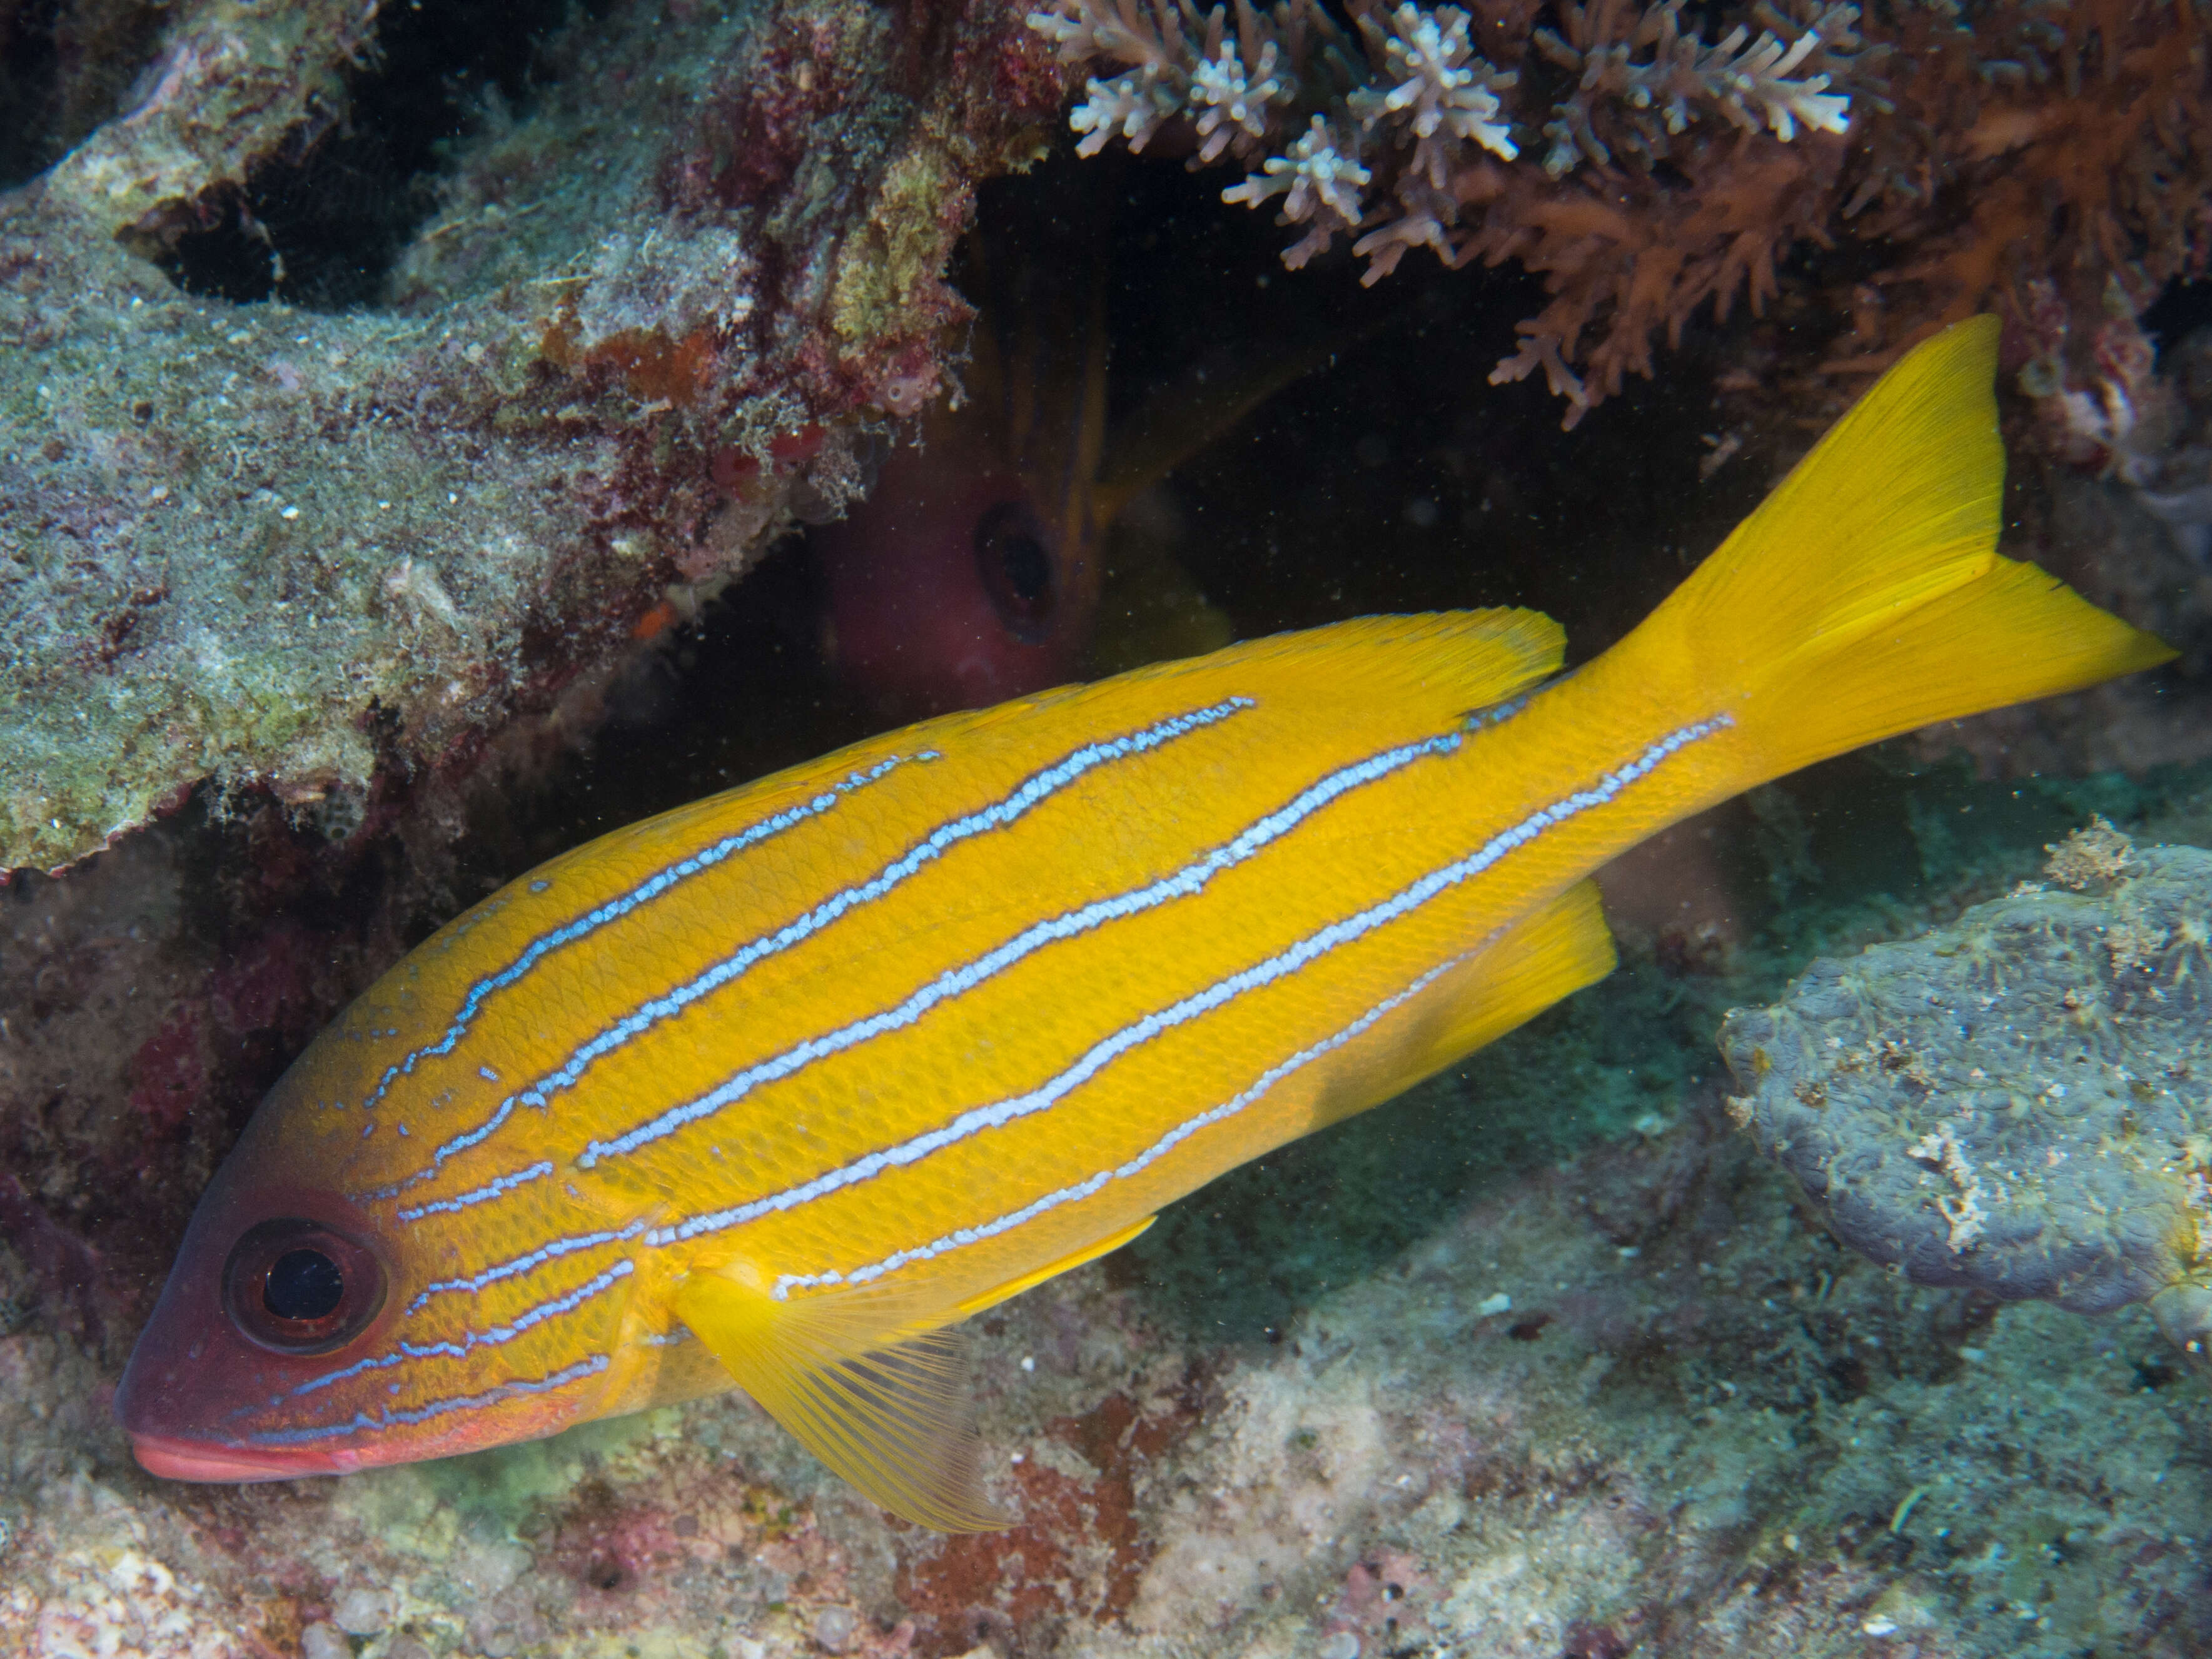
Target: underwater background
x,y
426,438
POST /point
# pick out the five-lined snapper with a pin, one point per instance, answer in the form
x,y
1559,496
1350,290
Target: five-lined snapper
x,y
774,1089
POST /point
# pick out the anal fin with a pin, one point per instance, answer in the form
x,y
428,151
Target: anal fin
x,y
1544,957
1549,955
1091,1252
862,1384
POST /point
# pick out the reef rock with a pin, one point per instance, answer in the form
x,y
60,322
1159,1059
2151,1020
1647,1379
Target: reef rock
x,y
2015,1103
295,534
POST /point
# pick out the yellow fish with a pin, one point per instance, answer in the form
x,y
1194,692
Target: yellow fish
x,y
774,1089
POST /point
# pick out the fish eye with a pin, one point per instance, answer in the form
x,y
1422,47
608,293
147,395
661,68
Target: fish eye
x,y
1015,565
297,1287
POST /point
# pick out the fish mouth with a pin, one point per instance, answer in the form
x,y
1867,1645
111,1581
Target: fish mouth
x,y
197,1460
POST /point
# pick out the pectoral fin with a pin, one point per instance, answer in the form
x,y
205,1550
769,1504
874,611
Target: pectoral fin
x,y
879,1399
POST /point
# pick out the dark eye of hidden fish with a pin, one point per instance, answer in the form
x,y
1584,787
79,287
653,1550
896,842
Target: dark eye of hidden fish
x,y
1016,566
297,1287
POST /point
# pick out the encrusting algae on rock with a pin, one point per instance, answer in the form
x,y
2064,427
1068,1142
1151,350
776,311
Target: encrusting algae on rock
x,y
323,547
2014,1101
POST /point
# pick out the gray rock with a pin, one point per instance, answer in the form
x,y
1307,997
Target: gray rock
x,y
2021,1102
362,1611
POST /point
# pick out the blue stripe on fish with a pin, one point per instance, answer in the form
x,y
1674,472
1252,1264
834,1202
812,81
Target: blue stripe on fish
x,y
1109,1048
490,1189
536,1314
384,1418
1190,879
614,909
1167,1143
406,1353
1036,788
523,1264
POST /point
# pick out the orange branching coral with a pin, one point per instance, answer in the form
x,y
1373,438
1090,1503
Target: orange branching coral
x,y
1973,157
1621,265
2045,147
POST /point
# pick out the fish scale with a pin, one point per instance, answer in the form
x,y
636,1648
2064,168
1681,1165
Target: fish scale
x,y
775,1088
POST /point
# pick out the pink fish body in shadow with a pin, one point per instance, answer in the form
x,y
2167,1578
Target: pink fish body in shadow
x,y
953,586
970,574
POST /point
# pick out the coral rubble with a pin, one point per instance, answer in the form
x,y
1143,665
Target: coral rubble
x,y
2008,1102
298,548
2003,152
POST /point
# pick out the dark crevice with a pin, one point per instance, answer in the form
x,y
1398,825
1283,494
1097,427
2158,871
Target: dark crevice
x,y
65,66
321,224
2182,309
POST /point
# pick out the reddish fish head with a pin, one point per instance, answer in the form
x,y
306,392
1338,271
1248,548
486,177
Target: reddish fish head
x,y
954,584
301,1331
270,1284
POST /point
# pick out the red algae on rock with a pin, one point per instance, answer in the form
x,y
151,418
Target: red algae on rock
x,y
296,548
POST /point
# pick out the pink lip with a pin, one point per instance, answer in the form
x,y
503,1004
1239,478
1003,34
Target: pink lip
x,y
193,1460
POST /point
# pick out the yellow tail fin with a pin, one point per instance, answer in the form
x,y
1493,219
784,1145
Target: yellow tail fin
x,y
1865,597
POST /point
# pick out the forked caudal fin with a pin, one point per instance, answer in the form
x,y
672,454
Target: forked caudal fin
x,y
1865,597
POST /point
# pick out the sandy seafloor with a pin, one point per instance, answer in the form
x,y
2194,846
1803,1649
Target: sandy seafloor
x,y
1539,1361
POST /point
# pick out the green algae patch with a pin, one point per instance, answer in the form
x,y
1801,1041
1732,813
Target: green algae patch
x,y
899,256
424,1509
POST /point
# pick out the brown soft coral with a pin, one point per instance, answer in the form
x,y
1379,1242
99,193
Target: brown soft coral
x,y
2071,145
1619,264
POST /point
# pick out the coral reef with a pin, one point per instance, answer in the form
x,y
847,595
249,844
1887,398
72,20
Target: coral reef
x,y
1541,1360
2007,1104
300,549
2047,161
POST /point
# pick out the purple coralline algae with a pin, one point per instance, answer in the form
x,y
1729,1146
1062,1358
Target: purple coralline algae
x,y
296,550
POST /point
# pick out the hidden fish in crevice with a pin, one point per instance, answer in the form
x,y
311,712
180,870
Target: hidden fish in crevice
x,y
775,1090
974,569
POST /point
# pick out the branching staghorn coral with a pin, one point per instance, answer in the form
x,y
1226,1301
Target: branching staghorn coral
x,y
1641,168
